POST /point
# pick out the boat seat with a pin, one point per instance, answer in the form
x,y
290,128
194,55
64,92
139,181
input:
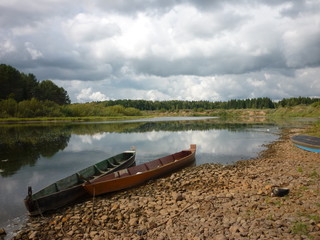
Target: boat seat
x,y
103,166
89,172
113,163
153,164
179,155
117,159
138,168
166,160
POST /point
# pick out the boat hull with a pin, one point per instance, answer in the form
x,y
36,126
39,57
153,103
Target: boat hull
x,y
308,143
123,179
59,194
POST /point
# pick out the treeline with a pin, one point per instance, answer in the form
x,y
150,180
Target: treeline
x,y
20,86
291,102
257,103
22,95
194,105
10,108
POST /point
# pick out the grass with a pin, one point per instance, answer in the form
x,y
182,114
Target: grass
x,y
315,218
297,111
300,169
314,174
314,130
300,228
69,119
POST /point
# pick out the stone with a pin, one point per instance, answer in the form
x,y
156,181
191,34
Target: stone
x,y
177,196
234,229
33,235
2,232
133,221
220,237
92,234
203,202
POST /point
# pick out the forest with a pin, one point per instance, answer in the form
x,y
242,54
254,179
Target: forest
x,y
20,86
23,96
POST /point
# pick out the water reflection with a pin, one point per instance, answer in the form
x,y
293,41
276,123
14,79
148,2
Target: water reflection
x,y
22,145
37,155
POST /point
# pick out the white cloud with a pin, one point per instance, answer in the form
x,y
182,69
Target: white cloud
x,y
34,53
86,95
208,50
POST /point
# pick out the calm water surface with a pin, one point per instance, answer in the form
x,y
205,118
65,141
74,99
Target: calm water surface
x,y
39,154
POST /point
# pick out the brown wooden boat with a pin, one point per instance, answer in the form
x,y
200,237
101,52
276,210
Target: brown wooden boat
x,y
136,175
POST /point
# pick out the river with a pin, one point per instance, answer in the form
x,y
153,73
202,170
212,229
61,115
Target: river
x,y
37,154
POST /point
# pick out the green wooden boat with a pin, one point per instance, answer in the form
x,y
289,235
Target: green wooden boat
x,y
69,189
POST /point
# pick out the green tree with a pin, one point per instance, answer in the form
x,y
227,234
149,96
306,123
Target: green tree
x,y
30,84
11,83
47,90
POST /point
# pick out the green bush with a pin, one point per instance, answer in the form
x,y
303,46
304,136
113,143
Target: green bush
x,y
8,108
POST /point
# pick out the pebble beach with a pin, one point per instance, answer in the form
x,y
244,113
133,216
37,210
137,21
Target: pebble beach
x,y
209,201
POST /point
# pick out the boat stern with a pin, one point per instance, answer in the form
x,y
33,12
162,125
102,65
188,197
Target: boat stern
x,y
193,147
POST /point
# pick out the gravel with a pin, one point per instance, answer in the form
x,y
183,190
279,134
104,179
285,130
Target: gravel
x,y
210,201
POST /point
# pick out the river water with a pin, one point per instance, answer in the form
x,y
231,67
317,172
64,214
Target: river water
x,y
39,154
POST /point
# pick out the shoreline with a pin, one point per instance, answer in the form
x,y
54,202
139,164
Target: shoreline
x,y
209,201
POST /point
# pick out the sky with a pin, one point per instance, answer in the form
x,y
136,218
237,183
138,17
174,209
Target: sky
x,y
166,49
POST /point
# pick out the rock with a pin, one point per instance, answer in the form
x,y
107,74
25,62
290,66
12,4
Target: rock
x,y
133,221
96,222
33,235
93,234
204,202
234,229
2,232
177,196
220,237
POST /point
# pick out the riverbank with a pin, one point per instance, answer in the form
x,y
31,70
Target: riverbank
x,y
204,202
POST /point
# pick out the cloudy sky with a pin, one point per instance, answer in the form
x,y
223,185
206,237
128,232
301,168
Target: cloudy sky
x,y
166,49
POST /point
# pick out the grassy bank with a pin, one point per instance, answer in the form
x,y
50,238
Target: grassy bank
x,y
69,119
297,111
230,114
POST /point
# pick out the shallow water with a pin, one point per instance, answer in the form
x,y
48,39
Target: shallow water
x,y
39,154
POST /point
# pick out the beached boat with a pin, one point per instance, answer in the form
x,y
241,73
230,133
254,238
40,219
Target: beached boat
x,y
69,189
308,143
139,174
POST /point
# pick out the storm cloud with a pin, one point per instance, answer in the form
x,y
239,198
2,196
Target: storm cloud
x,y
159,50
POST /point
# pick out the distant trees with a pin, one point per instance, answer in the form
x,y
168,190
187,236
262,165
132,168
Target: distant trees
x,y
10,108
21,95
290,102
173,105
21,86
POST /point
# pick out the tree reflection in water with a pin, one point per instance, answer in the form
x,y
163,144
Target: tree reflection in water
x,y
24,144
